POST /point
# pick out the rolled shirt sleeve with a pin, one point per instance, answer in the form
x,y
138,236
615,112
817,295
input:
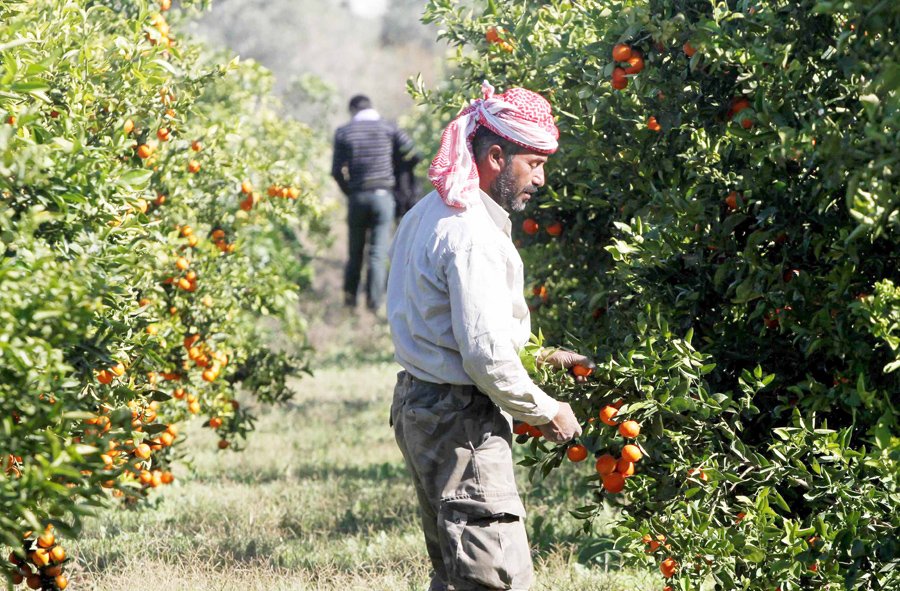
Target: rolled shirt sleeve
x,y
481,321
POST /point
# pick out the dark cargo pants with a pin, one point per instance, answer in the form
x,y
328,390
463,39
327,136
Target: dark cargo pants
x,y
456,444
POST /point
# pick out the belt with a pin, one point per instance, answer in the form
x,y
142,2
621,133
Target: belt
x,y
460,387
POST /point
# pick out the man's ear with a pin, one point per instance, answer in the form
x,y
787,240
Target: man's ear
x,y
496,159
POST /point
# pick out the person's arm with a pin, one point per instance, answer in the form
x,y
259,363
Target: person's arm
x,y
482,327
405,149
340,159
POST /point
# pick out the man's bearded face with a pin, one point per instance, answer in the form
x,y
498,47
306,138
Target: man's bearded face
x,y
520,178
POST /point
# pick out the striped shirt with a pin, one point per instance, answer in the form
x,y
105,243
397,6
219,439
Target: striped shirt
x,y
366,149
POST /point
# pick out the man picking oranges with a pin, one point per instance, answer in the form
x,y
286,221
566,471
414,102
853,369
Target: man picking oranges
x,y
458,319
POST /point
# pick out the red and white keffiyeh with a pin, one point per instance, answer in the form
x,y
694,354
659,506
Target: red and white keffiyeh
x,y
518,115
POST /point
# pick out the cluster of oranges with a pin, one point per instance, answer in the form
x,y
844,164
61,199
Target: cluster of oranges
x,y
105,376
495,36
530,226
623,53
613,471
40,564
738,104
159,32
285,192
211,361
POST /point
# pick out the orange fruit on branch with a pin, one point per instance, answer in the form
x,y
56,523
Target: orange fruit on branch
x,y
635,64
530,226
621,52
606,464
607,413
668,567
624,467
632,453
630,429
614,482
582,371
577,453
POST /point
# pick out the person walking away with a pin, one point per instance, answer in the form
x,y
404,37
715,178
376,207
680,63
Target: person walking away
x,y
364,152
458,319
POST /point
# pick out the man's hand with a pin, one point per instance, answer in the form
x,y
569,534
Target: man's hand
x,y
563,427
563,359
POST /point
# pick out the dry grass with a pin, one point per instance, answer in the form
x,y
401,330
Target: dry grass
x,y
318,500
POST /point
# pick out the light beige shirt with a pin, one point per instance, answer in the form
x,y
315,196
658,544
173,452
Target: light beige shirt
x,y
456,304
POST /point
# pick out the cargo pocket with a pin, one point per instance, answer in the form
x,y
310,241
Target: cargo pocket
x,y
485,545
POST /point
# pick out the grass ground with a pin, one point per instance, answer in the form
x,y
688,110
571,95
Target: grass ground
x,y
318,500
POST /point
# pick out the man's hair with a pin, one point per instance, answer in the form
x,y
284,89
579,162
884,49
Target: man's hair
x,y
360,102
484,138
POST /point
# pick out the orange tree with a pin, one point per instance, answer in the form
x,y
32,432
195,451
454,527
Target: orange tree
x,y
721,229
150,196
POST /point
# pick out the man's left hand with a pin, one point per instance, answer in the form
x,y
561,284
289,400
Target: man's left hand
x,y
564,359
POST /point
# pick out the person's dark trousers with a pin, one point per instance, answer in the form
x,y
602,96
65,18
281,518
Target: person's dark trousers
x,y
370,214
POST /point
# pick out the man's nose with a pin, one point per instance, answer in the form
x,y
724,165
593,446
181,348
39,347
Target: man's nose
x,y
537,179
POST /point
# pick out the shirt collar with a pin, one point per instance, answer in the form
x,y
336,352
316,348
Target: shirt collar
x,y
367,115
498,215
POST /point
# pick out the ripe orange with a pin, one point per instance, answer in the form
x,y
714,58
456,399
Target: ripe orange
x,y
555,229
46,540
40,557
614,482
699,474
53,571
209,375
104,376
246,187
215,423
624,467
193,166
635,64
58,554
33,581
128,127
739,517
163,134
530,226
731,200
619,81
521,428
606,464
577,453
293,192
653,124
196,146
223,443
630,429
144,151
582,371
491,35
689,49
632,453
532,430
607,413
182,263
165,5
142,451
621,52
61,582
668,567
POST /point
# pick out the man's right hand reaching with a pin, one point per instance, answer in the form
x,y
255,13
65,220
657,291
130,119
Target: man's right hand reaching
x,y
563,427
